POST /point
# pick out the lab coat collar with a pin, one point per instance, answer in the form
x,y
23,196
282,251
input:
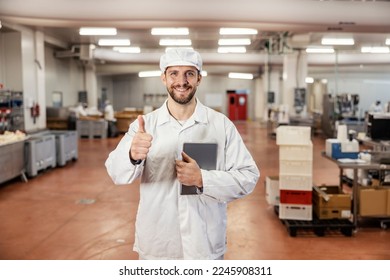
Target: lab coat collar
x,y
163,114
199,116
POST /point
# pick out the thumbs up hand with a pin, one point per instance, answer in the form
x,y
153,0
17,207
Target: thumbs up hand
x,y
188,171
141,124
142,141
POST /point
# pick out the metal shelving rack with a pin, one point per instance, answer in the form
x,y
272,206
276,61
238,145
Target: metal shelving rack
x,y
11,110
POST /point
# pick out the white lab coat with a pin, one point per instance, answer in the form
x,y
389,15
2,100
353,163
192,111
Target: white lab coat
x,y
109,113
374,108
170,225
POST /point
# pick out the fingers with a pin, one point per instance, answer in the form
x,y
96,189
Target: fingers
x,y
142,141
141,123
188,171
140,147
186,158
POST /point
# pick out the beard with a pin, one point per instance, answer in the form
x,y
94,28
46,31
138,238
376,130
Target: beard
x,y
181,100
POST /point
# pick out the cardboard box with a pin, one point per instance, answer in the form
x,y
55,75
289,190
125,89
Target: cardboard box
x,y
329,202
373,201
272,193
388,202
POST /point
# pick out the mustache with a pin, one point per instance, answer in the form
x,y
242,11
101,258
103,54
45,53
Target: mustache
x,y
182,86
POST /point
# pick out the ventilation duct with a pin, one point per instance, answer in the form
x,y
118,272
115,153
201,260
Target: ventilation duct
x,y
82,52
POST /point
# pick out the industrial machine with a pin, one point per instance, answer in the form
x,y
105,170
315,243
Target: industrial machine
x,y
347,105
378,126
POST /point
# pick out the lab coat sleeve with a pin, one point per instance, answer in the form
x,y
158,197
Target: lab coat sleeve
x,y
118,164
240,172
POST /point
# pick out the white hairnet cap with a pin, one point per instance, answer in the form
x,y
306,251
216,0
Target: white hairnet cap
x,y
180,57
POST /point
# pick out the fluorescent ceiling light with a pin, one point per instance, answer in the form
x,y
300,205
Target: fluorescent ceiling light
x,y
231,50
234,42
338,41
146,74
127,49
114,42
97,31
375,50
237,31
170,31
319,50
246,76
388,41
175,42
309,80
383,82
168,48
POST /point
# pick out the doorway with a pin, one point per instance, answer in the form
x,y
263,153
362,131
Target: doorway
x,y
237,105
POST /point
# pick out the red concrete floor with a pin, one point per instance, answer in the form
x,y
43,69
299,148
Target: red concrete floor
x,y
75,212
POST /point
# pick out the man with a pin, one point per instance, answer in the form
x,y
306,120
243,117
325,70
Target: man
x,y
109,111
109,116
170,225
376,107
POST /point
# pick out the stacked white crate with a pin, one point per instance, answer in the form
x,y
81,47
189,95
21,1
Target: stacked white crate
x,y
272,193
295,172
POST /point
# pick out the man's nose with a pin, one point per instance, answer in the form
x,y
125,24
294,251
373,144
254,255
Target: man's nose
x,y
182,79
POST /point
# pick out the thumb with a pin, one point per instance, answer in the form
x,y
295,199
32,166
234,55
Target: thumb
x,y
141,124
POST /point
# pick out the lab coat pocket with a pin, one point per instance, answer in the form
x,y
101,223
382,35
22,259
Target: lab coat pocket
x,y
215,217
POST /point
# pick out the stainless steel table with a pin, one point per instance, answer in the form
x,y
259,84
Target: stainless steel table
x,y
355,186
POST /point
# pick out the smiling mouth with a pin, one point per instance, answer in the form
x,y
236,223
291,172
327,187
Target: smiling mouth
x,y
181,89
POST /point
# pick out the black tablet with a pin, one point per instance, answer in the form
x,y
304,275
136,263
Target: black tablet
x,y
205,154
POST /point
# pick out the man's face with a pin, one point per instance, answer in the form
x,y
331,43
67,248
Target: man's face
x,y
181,82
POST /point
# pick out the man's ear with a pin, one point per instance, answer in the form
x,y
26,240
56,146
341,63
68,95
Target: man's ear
x,y
163,79
199,78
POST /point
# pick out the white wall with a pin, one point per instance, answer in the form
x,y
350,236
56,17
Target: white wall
x,y
105,82
65,75
11,61
30,67
30,81
221,84
369,86
22,70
